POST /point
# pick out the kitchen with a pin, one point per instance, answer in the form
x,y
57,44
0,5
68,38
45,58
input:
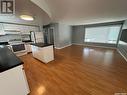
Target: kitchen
x,y
19,40
63,47
21,33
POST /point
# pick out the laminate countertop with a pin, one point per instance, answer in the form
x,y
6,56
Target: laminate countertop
x,y
41,44
8,59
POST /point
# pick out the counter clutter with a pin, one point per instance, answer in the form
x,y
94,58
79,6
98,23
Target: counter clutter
x,y
12,76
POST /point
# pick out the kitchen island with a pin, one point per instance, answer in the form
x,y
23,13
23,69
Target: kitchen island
x,y
43,52
12,76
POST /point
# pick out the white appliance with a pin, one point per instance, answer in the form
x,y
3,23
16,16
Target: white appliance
x,y
18,47
37,37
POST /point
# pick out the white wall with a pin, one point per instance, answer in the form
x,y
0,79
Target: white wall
x,y
62,35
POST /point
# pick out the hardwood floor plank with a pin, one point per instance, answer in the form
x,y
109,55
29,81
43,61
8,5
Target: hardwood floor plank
x,y
78,70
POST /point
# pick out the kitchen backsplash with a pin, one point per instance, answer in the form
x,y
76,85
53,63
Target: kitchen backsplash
x,y
8,37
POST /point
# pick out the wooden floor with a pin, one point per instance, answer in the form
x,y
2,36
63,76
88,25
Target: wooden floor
x,y
78,70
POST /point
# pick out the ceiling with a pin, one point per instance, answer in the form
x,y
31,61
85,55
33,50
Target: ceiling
x,y
26,7
77,12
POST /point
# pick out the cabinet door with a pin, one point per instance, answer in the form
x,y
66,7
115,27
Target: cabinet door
x,y
2,29
13,82
27,29
28,47
12,27
48,54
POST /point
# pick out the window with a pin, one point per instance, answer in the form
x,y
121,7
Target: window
x,y
102,34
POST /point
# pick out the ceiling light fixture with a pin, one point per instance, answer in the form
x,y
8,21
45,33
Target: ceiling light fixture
x,y
27,17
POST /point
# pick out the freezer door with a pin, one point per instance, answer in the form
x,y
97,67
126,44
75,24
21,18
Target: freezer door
x,y
39,37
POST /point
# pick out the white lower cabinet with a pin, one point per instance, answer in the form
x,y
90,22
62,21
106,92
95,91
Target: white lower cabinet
x,y
28,48
44,54
13,82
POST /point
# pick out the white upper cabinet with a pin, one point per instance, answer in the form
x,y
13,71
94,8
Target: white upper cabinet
x,y
2,29
11,27
27,29
17,29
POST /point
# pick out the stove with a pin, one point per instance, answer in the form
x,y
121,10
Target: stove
x,y
17,46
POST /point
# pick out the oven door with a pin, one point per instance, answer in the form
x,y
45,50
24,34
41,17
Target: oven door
x,y
18,48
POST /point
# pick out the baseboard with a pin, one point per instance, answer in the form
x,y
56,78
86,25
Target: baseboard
x,y
122,55
63,47
85,45
94,46
77,44
101,46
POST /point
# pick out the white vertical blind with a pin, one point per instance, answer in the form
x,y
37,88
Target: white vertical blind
x,y
102,34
